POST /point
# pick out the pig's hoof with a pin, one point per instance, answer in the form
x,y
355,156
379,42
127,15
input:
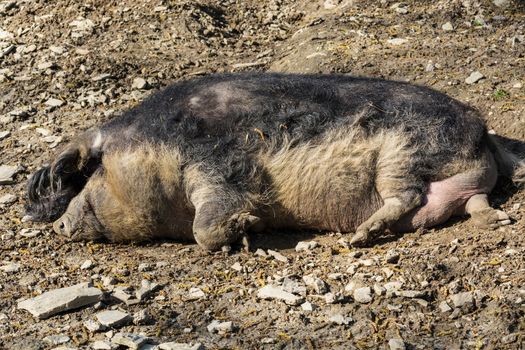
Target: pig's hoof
x,y
244,221
367,231
490,218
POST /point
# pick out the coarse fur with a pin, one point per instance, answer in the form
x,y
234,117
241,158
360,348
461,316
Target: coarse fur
x,y
324,152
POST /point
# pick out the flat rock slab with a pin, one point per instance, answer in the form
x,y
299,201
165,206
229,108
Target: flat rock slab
x,y
59,300
113,318
7,172
273,292
180,346
130,340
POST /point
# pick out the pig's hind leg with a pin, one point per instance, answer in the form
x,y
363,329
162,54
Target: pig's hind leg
x,y
483,215
462,194
399,186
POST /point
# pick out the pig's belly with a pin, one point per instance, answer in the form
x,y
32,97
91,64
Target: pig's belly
x,y
443,200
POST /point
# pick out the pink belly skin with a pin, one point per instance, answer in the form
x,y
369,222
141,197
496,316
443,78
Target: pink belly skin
x,y
446,198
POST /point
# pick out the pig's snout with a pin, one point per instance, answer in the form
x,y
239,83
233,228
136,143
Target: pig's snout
x,y
63,226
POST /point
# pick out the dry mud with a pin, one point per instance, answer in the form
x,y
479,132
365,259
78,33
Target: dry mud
x,y
69,65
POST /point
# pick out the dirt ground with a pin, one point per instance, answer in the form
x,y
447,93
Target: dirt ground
x,y
68,65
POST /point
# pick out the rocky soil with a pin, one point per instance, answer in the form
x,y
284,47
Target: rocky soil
x,y
68,65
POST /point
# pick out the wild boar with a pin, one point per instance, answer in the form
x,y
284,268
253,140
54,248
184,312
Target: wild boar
x,y
213,158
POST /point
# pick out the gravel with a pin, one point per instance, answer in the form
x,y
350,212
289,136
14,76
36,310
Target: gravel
x,y
89,68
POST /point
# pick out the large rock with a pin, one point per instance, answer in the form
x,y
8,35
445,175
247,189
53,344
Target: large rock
x,y
59,300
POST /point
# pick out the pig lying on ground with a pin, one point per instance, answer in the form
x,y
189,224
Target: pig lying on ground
x,y
213,158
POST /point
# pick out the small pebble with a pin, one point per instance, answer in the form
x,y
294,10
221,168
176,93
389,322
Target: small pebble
x,y
396,344
474,77
86,265
363,295
220,327
447,27
139,83
306,246
277,256
341,319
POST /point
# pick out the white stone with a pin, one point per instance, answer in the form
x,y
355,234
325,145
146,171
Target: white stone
x,y
317,284
10,268
86,265
220,327
379,290
142,317
44,131
56,339
274,292
146,289
7,173
392,287
341,319
307,306
82,25
474,77
396,344
29,233
180,346
461,299
5,35
447,27
397,41
195,294
277,256
237,267
350,287
444,307
306,246
123,294
260,252
139,83
113,318
57,49
502,3
130,340
93,326
8,199
100,77
145,267
101,345
363,295
59,300
4,134
410,293
53,102
335,276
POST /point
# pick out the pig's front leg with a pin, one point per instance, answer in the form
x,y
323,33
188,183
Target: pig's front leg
x,y
222,214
